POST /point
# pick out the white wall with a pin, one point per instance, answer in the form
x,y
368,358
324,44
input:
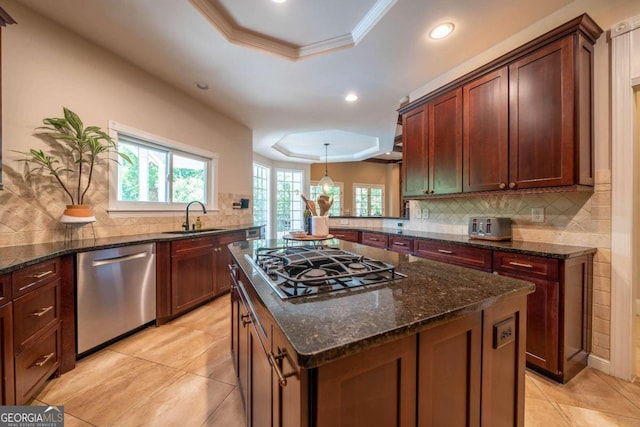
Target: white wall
x,y
46,67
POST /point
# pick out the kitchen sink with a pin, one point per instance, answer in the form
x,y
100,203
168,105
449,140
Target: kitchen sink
x,y
201,230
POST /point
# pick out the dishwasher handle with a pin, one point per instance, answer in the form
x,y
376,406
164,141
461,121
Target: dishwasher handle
x,y
114,260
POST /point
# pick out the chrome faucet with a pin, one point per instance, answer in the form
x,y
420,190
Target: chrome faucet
x,y
186,220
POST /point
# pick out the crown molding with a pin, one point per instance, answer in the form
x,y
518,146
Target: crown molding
x,y
236,34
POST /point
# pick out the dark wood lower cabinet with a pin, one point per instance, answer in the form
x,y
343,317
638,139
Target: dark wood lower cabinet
x,y
372,388
559,311
7,395
449,367
199,270
466,372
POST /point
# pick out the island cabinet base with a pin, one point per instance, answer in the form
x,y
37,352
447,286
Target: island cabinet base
x,y
468,371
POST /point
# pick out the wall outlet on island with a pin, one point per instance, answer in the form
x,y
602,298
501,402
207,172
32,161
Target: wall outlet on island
x,y
537,214
344,222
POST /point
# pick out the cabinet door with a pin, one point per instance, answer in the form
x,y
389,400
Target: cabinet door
x,y
259,403
541,110
485,132
415,161
543,321
445,143
449,373
7,396
192,274
376,387
289,400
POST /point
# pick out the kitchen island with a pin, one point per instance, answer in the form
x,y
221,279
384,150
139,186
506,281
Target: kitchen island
x,y
443,346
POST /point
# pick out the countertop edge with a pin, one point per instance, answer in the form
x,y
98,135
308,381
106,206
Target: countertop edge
x,y
462,240
87,245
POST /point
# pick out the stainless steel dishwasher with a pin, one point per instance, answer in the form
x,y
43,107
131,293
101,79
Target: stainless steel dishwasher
x,y
116,293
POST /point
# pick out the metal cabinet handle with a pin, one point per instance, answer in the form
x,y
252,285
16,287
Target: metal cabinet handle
x,y
502,186
512,185
374,239
42,360
41,275
246,319
399,244
115,260
339,235
444,251
519,264
273,360
426,191
42,311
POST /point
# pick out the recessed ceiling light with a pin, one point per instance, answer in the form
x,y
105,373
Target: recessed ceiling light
x,y
278,1
351,97
201,85
441,31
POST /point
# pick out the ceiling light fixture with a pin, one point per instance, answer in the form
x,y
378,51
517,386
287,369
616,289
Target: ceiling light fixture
x,y
326,183
201,85
351,97
441,31
278,1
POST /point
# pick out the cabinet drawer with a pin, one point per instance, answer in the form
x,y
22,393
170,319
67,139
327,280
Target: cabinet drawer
x,y
400,244
30,278
5,289
36,363
34,312
374,239
200,244
465,256
348,235
526,265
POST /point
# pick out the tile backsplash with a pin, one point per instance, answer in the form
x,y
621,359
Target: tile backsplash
x,y
28,216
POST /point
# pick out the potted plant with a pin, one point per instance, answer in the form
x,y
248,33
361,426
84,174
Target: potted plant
x,y
75,150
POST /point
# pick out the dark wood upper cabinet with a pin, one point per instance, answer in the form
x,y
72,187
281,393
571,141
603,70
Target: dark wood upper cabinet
x,y
5,19
486,132
415,160
445,143
541,105
432,147
526,120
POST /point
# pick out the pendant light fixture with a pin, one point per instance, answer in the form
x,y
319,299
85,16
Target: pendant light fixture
x,y
326,183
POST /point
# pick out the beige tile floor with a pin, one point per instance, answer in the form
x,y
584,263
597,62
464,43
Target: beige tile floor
x,y
181,374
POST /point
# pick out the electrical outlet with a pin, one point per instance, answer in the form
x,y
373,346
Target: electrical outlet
x,y
537,214
425,213
418,213
344,222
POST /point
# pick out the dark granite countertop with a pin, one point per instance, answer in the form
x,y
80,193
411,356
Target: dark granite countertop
x,y
15,257
326,327
549,250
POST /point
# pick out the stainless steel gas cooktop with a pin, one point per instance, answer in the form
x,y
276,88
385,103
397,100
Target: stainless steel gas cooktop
x,y
301,270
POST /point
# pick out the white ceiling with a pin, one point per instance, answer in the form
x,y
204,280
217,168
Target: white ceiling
x,y
295,105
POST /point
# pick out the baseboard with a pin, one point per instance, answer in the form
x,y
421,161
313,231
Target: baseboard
x,y
600,364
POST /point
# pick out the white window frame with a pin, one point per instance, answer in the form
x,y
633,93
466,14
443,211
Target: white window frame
x,y
270,204
340,185
296,197
126,207
369,186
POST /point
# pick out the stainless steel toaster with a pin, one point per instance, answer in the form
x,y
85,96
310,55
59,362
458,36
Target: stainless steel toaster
x,y
490,228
